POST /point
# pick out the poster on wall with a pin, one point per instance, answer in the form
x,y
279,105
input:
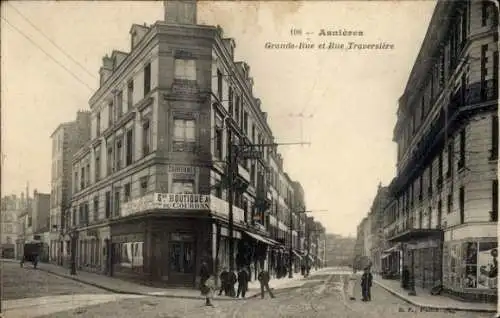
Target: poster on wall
x,y
487,265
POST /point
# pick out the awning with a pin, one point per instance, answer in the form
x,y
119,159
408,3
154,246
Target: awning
x,y
311,258
385,256
259,238
297,254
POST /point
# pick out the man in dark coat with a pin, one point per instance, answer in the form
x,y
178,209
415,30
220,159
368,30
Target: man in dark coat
x,y
366,285
224,276
205,289
264,283
232,279
243,278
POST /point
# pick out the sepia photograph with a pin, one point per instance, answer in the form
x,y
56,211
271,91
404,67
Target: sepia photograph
x,y
238,158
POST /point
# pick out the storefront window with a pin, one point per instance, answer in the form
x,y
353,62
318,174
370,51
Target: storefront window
x,y
129,255
470,260
487,265
181,248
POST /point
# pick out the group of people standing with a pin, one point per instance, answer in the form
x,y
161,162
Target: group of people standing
x,y
228,279
366,284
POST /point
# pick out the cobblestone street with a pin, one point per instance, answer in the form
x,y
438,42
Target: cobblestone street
x,y
28,282
319,299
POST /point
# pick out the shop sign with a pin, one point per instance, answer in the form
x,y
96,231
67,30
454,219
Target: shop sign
x,y
182,171
182,201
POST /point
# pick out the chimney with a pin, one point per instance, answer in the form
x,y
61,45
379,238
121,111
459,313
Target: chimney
x,y
106,69
180,11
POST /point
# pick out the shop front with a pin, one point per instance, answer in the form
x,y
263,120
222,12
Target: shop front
x,y
421,252
391,262
470,268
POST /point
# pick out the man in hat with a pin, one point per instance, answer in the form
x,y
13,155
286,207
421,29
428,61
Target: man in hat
x,y
366,284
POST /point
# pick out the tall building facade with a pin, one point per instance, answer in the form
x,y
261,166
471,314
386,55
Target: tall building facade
x,y
377,240
10,210
66,140
445,211
150,186
339,250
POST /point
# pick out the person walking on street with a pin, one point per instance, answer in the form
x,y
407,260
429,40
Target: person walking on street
x,y
243,278
351,282
206,283
232,279
366,284
264,283
224,275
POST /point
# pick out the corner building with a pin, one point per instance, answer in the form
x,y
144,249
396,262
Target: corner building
x,y
444,215
150,186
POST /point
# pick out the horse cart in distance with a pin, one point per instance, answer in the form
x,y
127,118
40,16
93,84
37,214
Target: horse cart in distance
x,y
32,251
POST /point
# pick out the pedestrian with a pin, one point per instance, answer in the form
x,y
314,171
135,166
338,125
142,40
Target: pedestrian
x,y
264,283
351,282
366,284
206,283
243,277
223,281
232,279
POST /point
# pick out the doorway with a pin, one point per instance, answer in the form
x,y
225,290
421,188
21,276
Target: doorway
x,y
182,261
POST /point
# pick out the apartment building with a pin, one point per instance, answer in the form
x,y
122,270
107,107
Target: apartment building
x,y
150,187
10,210
67,138
377,240
445,210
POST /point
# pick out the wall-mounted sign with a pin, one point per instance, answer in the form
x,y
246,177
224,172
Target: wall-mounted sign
x,y
183,201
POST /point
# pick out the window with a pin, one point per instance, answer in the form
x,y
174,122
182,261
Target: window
x,y
237,110
484,71
76,181
421,192
130,148
183,186
462,205
184,130
219,85
96,208
461,161
81,217
218,142
130,94
147,79
97,168
86,212
87,176
119,104
185,69
108,204
230,100
144,185
182,258
494,203
126,196
110,160
118,154
145,138
450,203
116,206
98,124
484,13
110,114
245,122
494,138
82,178
73,219
450,158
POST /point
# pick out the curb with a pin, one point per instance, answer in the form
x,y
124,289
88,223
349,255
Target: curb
x,y
431,307
118,291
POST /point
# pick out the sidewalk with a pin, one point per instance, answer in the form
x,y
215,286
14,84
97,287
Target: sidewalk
x,y
426,301
120,286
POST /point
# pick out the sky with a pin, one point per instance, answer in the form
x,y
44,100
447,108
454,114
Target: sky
x,y
347,98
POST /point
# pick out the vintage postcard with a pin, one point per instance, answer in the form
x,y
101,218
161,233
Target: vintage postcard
x,y
196,158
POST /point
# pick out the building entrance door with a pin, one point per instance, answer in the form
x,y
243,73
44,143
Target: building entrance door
x,y
182,261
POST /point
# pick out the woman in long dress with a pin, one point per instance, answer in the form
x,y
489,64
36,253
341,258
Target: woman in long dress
x,y
351,283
